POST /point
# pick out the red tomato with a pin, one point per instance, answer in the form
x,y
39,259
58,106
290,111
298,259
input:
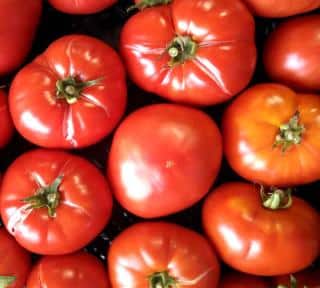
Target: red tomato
x,y
197,52
271,136
163,152
239,280
281,8
80,270
251,238
293,62
15,262
6,125
81,6
18,25
308,279
71,96
159,254
53,202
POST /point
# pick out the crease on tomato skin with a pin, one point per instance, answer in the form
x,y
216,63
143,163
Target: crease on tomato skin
x,y
68,128
86,97
196,280
18,217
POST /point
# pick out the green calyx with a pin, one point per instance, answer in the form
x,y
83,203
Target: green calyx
x,y
70,88
46,197
143,4
276,199
293,283
5,281
162,280
290,133
181,49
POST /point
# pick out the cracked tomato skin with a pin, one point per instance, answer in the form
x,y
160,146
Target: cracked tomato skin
x,y
281,8
292,62
223,63
81,6
47,121
176,156
151,247
18,24
84,208
258,241
241,280
78,270
250,126
6,125
15,261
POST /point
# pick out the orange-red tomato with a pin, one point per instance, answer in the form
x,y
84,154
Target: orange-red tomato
x,y
6,125
272,136
240,280
257,240
156,254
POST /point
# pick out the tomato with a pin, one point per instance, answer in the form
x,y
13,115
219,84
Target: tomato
x,y
6,125
271,136
308,278
239,280
293,62
163,152
265,235
159,254
70,96
81,6
18,24
281,8
53,202
76,270
196,52
15,262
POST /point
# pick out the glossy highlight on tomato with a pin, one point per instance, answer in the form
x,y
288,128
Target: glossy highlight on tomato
x,y
163,152
6,125
160,254
71,96
196,52
53,202
254,239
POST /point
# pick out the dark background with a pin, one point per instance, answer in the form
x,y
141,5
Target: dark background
x,y
107,26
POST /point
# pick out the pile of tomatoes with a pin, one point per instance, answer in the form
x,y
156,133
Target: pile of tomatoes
x,y
159,144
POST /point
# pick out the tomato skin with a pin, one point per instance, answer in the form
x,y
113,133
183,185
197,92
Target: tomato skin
x,y
84,209
53,123
73,270
292,62
82,6
250,125
18,25
147,248
6,125
182,154
224,61
309,278
15,261
256,240
281,8
240,280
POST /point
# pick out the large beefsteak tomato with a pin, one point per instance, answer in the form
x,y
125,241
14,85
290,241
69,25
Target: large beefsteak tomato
x,y
159,254
53,202
191,51
271,136
163,159
70,96
266,233
6,125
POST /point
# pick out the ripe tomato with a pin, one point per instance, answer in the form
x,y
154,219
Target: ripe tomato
x,y
53,202
71,96
281,8
81,6
159,254
293,62
18,25
163,152
6,125
74,270
308,279
196,52
271,136
15,262
239,280
275,238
